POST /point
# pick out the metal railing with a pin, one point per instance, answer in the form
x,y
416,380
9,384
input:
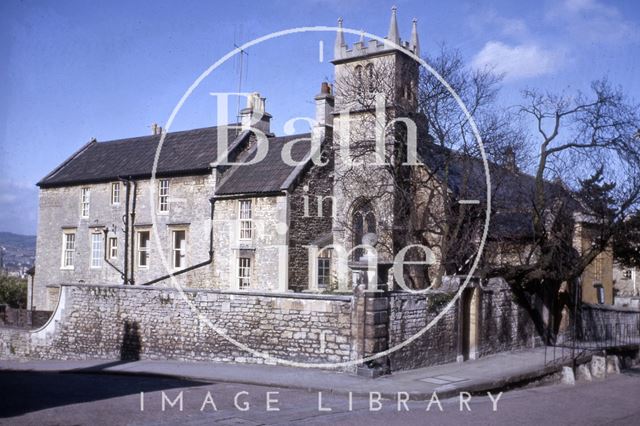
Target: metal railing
x,y
594,328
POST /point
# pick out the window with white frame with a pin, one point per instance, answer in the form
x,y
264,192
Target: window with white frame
x,y
324,268
163,195
244,272
84,202
627,274
115,193
68,249
97,249
179,248
143,248
246,226
113,248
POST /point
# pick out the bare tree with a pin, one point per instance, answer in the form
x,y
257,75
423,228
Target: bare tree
x,y
582,150
586,177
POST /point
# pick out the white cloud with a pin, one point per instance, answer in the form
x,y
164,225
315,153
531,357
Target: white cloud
x,y
517,61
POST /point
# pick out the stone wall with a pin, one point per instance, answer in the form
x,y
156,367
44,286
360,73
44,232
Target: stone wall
x,y
600,324
14,317
130,322
306,229
116,322
409,315
496,324
504,325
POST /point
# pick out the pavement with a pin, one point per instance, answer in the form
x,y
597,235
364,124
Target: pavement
x,y
485,374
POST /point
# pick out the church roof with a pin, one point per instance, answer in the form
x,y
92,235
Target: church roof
x,y
512,191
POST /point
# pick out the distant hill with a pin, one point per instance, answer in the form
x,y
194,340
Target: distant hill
x,y
9,239
19,252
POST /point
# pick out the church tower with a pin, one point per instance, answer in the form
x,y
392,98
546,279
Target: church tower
x,y
375,95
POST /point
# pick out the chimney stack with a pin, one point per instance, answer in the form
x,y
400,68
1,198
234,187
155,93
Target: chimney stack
x,y
254,115
324,112
155,129
324,105
510,160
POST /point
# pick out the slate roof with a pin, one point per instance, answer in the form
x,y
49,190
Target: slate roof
x,y
512,193
185,152
271,174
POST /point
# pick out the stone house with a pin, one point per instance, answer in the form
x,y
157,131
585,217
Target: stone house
x,y
112,214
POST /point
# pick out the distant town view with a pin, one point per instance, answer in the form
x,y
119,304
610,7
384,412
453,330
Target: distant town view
x,y
17,254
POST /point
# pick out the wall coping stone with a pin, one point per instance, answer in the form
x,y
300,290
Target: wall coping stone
x,y
291,295
611,308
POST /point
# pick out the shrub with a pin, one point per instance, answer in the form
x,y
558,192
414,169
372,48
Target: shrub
x,y
13,292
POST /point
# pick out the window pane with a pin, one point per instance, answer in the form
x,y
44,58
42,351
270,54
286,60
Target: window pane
x,y
97,247
84,202
179,248
115,193
246,225
244,272
163,195
113,247
69,249
143,248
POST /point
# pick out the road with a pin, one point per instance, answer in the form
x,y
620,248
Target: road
x,y
86,399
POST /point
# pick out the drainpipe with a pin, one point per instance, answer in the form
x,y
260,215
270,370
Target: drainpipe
x,y
199,265
106,247
133,222
125,220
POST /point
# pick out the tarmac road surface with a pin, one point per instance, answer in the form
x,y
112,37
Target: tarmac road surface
x,y
89,399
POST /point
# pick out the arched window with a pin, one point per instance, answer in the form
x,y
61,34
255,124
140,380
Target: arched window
x,y
363,222
358,71
370,78
359,84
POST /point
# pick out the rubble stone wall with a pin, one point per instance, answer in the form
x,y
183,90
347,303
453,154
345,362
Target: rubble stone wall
x,y
116,322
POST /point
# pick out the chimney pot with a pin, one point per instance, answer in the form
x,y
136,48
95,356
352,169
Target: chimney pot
x,y
254,115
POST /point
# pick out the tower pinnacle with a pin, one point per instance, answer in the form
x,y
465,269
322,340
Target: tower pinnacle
x,y
415,43
394,35
339,39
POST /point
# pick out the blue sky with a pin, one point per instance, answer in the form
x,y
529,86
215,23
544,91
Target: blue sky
x,y
74,70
